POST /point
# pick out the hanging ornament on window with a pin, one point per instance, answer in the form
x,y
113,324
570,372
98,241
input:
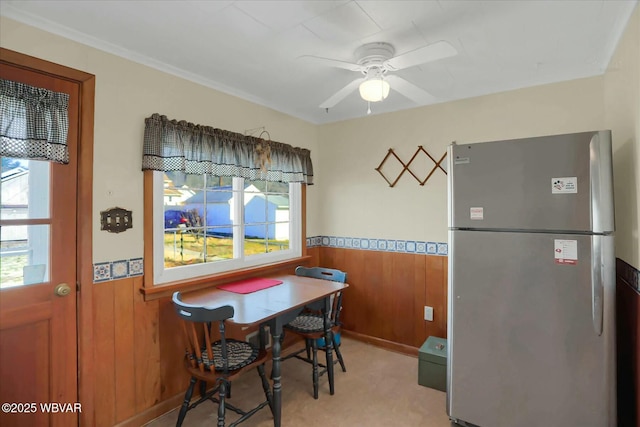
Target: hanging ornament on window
x,y
263,150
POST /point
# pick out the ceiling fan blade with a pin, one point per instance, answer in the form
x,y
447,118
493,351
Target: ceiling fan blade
x,y
432,52
410,90
342,93
332,63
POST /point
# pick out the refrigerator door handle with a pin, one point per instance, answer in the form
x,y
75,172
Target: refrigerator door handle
x,y
601,176
597,290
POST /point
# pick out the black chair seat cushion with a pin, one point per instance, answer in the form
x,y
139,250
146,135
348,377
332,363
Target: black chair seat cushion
x,y
239,353
307,322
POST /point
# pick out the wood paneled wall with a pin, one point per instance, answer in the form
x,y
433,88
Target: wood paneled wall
x,y
628,344
388,292
137,355
137,348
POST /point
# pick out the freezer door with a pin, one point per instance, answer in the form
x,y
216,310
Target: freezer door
x,y
557,183
531,330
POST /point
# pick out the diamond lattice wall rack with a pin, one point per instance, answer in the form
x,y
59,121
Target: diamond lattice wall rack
x,y
406,166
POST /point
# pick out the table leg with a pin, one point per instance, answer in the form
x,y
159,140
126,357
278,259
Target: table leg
x,y
276,333
276,327
328,342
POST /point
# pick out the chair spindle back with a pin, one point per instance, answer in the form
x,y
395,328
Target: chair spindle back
x,y
327,274
199,332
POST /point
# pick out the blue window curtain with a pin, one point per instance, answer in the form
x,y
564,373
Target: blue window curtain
x,y
34,122
171,145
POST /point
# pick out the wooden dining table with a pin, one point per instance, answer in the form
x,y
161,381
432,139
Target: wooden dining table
x,y
275,307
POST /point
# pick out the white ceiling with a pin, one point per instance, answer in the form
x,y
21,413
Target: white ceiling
x,y
253,49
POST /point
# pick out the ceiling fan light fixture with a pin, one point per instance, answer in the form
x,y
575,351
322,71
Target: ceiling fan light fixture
x,y
374,90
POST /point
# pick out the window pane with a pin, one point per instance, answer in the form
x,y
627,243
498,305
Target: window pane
x,y
189,247
256,246
24,189
219,247
24,255
266,217
219,181
180,180
199,226
178,188
218,205
255,232
277,187
255,208
182,248
279,207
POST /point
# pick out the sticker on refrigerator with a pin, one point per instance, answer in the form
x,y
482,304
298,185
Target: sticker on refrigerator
x,y
476,213
566,251
461,161
566,185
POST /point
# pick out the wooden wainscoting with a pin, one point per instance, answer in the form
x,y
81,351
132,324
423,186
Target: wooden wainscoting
x,y
138,360
387,295
628,344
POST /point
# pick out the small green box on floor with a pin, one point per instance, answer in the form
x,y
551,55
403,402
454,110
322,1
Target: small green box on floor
x,y
432,364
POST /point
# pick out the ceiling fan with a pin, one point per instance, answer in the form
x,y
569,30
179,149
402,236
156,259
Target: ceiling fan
x,y
376,61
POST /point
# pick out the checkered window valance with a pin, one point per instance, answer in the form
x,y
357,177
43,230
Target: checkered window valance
x,y
171,145
33,122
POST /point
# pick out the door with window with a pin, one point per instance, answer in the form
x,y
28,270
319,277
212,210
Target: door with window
x,y
38,340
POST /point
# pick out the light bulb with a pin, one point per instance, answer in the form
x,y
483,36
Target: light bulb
x,y
374,89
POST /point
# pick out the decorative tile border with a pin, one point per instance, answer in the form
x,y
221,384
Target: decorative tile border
x,y
385,245
105,271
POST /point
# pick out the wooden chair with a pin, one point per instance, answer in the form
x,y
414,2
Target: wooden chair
x,y
213,358
310,324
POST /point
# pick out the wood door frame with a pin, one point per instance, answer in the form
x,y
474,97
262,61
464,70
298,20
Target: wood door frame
x,y
84,247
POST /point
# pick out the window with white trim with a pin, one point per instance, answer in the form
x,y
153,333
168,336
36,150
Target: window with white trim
x,y
205,225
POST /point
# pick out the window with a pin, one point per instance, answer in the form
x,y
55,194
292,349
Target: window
x,y
33,132
24,196
205,225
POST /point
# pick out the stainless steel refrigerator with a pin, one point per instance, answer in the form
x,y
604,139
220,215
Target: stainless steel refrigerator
x,y
531,326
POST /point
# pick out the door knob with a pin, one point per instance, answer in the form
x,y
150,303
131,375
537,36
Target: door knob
x,y
62,290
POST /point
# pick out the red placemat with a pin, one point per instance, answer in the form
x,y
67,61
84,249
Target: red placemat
x,y
249,285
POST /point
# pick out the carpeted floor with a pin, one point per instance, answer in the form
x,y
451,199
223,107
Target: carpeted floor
x,y
380,388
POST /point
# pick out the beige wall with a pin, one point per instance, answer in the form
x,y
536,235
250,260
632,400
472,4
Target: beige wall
x,y
357,202
126,93
622,108
350,199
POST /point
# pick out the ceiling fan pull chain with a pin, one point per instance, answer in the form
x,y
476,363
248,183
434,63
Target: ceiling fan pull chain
x,y
368,107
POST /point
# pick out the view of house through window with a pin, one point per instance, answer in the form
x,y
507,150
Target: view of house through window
x,y
213,219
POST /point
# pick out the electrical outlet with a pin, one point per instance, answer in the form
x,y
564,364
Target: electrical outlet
x,y
428,313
